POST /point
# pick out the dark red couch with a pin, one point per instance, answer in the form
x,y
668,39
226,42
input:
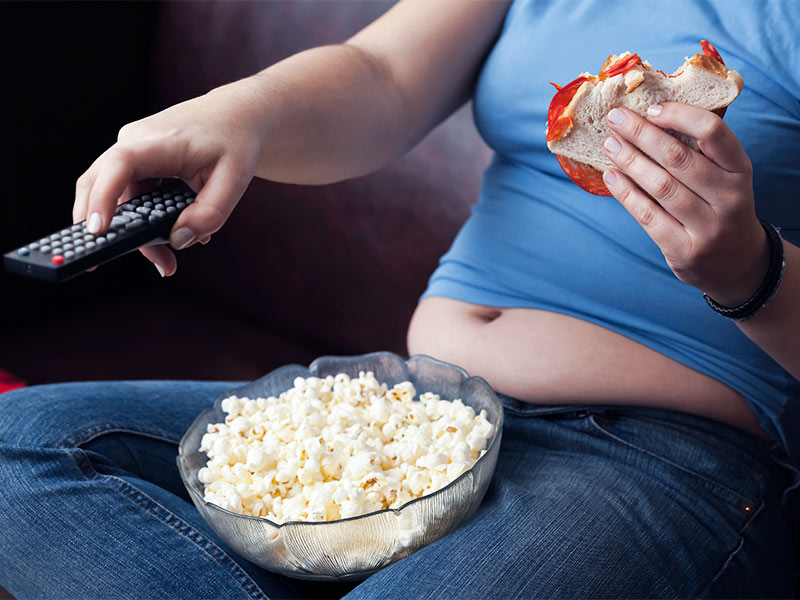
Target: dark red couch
x,y
298,271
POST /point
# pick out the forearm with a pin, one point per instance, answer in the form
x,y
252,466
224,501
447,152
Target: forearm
x,y
776,328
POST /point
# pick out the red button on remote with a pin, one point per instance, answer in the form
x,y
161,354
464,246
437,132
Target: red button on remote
x,y
58,259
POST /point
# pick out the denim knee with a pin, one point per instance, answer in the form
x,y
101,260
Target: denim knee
x,y
44,415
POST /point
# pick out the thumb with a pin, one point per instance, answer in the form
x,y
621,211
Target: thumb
x,y
213,205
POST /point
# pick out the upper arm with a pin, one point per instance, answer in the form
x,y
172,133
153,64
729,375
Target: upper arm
x,y
431,53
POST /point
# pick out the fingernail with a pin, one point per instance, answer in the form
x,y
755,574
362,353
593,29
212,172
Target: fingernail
x,y
610,177
94,223
182,238
160,270
616,116
654,111
612,145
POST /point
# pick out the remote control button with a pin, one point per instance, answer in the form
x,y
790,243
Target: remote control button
x,y
189,199
66,231
166,195
34,246
111,236
146,197
55,236
23,251
128,207
169,202
45,249
158,213
171,209
88,237
101,241
136,202
144,210
90,245
180,205
159,206
76,227
79,249
148,204
69,254
133,224
77,235
57,259
68,246
119,221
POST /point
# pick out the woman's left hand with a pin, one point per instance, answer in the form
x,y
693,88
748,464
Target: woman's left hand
x,y
697,206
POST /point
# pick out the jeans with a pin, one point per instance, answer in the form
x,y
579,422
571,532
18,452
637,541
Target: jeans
x,y
586,502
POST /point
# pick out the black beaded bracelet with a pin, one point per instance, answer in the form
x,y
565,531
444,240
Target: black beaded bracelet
x,y
769,285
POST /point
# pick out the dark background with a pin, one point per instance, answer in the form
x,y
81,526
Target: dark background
x,y
64,103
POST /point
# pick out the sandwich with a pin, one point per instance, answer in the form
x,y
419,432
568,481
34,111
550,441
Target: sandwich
x,y
576,118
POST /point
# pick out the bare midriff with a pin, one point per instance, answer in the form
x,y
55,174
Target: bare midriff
x,y
543,357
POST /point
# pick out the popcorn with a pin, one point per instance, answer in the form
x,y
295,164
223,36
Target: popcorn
x,y
337,447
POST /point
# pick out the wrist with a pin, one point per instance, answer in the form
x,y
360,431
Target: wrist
x,y
750,274
769,284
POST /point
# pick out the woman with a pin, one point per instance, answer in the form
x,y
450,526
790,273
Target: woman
x,y
649,444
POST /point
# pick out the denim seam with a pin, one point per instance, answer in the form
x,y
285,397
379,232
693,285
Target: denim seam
x,y
764,445
154,508
190,533
178,524
733,495
733,554
533,410
87,434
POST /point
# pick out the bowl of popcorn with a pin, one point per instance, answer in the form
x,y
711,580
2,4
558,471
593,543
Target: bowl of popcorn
x,y
336,470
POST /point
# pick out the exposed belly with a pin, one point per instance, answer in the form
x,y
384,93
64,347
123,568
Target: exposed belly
x,y
548,358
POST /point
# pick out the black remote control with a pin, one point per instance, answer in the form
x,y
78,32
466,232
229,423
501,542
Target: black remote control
x,y
144,220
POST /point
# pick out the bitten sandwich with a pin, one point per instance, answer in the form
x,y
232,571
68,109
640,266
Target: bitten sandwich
x,y
576,119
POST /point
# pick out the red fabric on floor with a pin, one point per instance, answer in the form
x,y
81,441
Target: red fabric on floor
x,y
9,382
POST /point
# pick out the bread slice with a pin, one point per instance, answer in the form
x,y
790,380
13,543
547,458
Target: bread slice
x,y
701,81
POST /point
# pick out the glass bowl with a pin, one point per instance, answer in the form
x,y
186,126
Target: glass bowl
x,y
353,548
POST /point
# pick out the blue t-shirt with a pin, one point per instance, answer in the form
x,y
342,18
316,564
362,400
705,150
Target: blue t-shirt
x,y
536,240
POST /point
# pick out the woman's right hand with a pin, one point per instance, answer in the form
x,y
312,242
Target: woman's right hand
x,y
211,142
